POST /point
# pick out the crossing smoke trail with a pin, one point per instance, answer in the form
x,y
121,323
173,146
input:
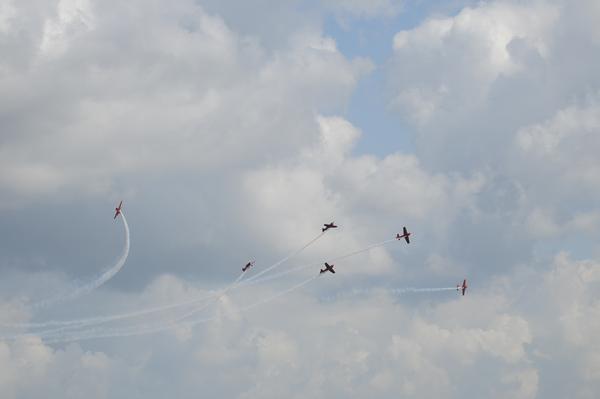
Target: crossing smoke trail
x,y
57,332
278,263
262,301
178,322
250,281
67,324
145,330
74,324
92,285
71,325
77,324
256,280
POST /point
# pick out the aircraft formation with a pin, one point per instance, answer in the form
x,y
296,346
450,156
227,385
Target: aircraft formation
x,y
91,327
329,268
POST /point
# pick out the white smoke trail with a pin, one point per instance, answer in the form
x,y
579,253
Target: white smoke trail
x,y
86,330
400,291
175,323
100,320
389,291
92,285
262,301
291,255
280,294
80,323
255,280
74,324
70,325
109,273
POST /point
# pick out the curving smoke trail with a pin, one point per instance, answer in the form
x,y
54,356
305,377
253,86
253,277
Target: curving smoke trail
x,y
109,273
71,328
97,282
79,323
71,325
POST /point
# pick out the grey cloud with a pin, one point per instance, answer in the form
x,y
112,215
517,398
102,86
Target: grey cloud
x,y
215,124
162,106
476,85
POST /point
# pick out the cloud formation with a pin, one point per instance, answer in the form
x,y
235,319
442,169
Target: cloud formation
x,y
226,130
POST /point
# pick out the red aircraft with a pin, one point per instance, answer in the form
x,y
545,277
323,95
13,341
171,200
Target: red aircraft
x,y
248,266
405,235
328,226
462,287
118,210
328,268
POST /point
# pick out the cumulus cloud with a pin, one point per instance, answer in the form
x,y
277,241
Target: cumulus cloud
x,y
263,351
359,191
158,96
226,128
487,90
455,60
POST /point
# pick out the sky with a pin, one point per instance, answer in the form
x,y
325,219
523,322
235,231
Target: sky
x,y
232,131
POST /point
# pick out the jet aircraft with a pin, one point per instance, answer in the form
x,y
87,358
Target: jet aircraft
x,y
328,268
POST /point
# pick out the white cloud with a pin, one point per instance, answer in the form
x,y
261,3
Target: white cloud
x,y
448,64
552,137
176,91
495,89
73,17
564,146
33,369
232,138
339,186
527,381
370,344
